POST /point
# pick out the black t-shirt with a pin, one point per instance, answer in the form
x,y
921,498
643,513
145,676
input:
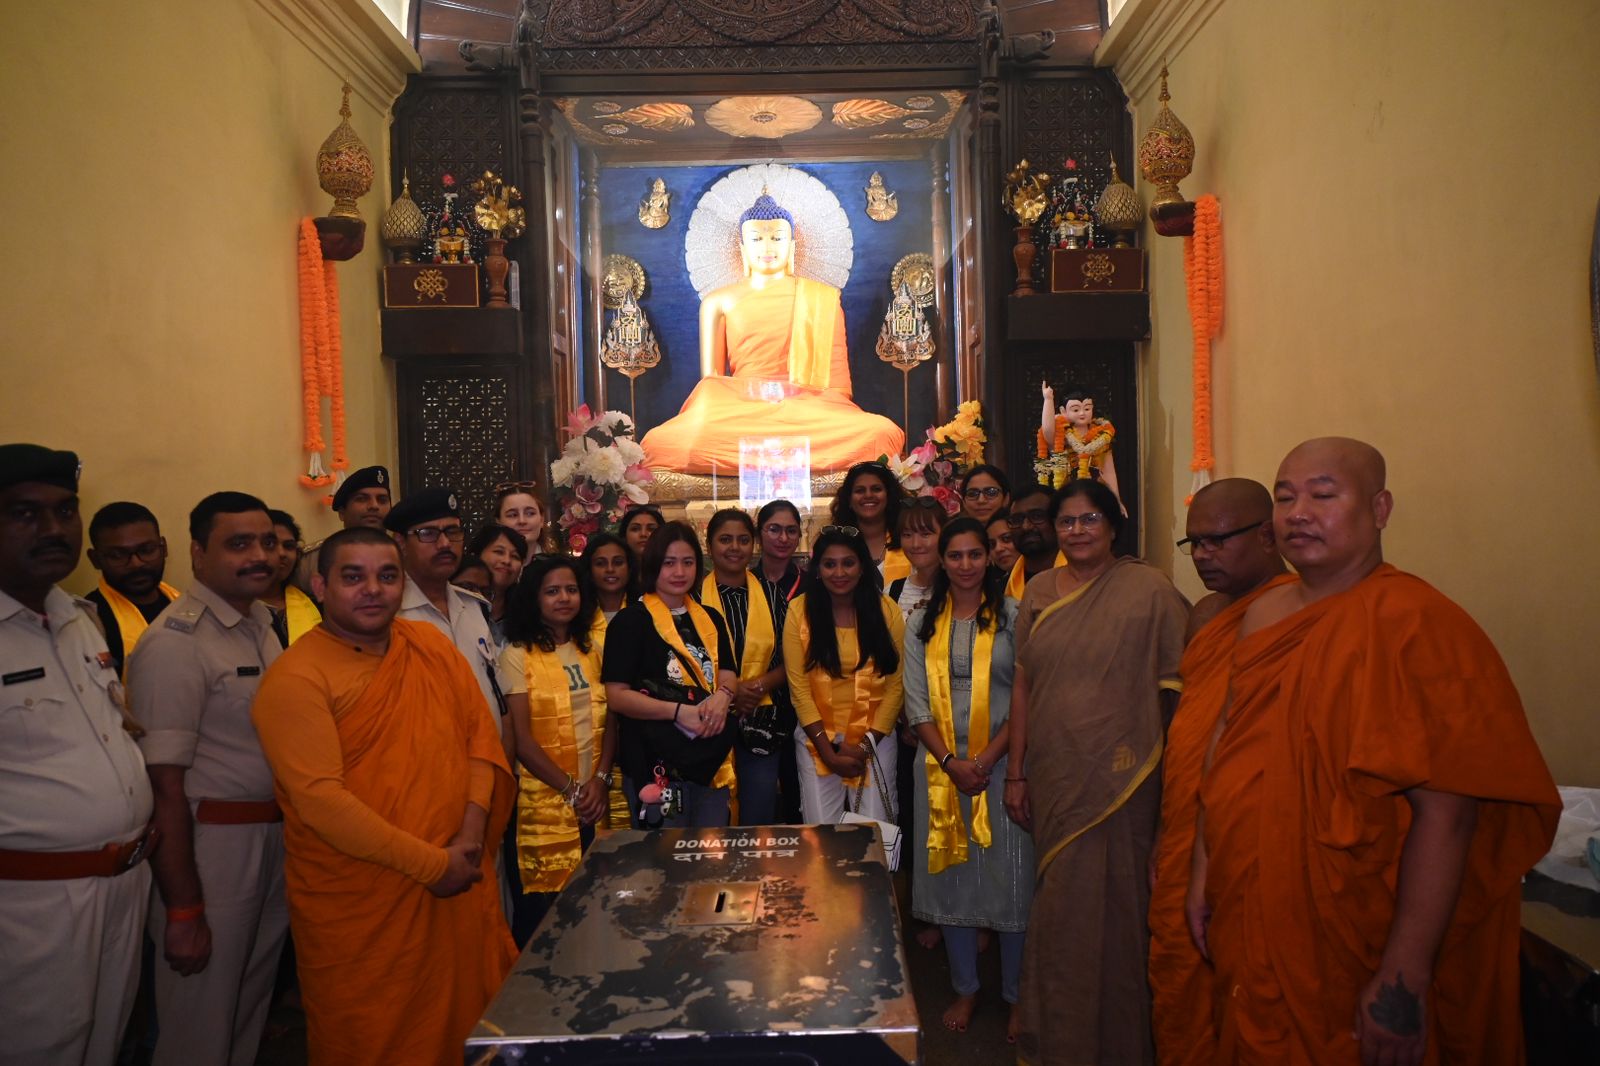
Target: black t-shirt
x,y
635,653
108,622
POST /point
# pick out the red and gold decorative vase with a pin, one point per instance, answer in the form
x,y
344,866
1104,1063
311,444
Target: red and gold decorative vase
x,y
1024,253
497,267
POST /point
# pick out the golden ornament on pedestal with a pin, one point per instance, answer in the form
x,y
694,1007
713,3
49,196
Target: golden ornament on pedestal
x,y
905,341
404,229
629,344
1118,210
915,271
1026,196
1166,153
344,167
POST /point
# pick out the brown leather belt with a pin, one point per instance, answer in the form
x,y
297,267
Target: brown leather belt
x,y
109,861
237,812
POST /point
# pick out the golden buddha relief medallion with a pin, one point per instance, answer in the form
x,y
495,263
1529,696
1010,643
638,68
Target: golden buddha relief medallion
x,y
916,272
622,274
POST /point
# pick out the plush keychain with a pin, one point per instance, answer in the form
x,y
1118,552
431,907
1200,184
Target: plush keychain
x,y
658,800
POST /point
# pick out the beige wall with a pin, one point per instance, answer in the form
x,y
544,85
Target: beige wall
x,y
1408,194
161,157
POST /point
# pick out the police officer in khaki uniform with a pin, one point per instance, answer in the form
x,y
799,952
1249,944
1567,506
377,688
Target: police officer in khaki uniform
x,y
220,916
428,526
74,798
362,499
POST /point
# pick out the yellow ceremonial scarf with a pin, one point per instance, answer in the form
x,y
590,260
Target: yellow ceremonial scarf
x,y
617,815
947,833
130,623
895,566
816,309
759,637
301,613
1019,578
661,615
866,696
548,847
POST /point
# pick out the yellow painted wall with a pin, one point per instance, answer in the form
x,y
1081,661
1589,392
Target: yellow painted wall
x,y
158,159
1408,195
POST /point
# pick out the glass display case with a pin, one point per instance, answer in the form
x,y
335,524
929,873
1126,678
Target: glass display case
x,y
657,283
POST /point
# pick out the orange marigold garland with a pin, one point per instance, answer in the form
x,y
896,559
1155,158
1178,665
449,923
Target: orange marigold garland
x,y
321,358
1202,267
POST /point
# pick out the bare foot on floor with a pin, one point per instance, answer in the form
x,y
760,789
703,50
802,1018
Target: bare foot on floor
x,y
930,936
1013,1024
959,1013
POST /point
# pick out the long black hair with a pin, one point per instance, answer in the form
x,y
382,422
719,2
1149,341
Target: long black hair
x,y
845,515
873,637
524,621
994,583
655,553
586,560
490,532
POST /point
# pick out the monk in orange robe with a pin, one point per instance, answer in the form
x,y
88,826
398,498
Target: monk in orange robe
x,y
395,792
773,363
1372,800
1229,535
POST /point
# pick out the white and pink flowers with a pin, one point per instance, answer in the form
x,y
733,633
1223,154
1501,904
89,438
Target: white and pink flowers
x,y
601,470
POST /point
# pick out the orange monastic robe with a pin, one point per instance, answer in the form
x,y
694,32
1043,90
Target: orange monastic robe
x,y
375,759
789,377
1180,980
1334,712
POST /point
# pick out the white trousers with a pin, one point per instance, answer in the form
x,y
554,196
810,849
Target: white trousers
x,y
217,1015
822,796
69,966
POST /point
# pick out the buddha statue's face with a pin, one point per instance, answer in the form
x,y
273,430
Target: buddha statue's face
x,y
767,246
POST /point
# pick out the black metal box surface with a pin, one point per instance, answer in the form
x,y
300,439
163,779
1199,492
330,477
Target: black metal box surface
x,y
748,945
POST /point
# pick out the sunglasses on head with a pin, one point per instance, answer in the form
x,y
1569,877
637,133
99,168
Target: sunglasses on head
x,y
508,487
843,531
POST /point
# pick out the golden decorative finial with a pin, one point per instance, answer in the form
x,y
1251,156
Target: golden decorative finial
x,y
1166,153
344,106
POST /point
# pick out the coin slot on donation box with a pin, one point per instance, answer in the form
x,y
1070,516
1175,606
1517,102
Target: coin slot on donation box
x,y
719,903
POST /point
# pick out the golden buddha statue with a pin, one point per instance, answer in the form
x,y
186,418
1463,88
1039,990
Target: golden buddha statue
x,y
773,363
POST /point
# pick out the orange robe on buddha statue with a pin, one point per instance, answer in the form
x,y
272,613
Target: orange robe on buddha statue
x,y
789,376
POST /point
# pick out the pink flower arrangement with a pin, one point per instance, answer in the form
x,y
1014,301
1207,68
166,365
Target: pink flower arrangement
x,y
600,468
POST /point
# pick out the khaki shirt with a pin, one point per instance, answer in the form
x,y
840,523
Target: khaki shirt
x,y
191,680
71,778
467,627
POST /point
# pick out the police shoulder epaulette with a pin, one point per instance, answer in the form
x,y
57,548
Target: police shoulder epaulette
x,y
185,616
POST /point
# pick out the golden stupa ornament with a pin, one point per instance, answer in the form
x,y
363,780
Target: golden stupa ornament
x,y
403,228
1118,210
344,167
1166,153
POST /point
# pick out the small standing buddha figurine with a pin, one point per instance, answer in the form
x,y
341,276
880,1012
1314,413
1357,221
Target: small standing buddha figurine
x,y
1074,444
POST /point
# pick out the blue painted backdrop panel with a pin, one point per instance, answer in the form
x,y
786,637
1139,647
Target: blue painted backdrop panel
x,y
674,307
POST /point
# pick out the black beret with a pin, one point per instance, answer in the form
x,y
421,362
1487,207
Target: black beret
x,y
368,477
33,462
420,507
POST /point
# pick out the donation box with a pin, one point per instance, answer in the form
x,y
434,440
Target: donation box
x,y
739,946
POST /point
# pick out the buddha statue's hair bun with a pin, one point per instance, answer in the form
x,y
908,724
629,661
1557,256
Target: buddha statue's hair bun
x,y
765,209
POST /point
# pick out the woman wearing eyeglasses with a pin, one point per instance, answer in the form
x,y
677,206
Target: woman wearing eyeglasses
x,y
869,500
670,673
985,491
779,528
974,867
517,504
1098,644
730,541
841,649
550,673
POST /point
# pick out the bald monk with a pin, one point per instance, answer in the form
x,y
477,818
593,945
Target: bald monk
x,y
1229,535
1371,801
395,791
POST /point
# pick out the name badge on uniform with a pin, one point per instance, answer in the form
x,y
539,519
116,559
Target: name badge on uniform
x,y
249,671
23,675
